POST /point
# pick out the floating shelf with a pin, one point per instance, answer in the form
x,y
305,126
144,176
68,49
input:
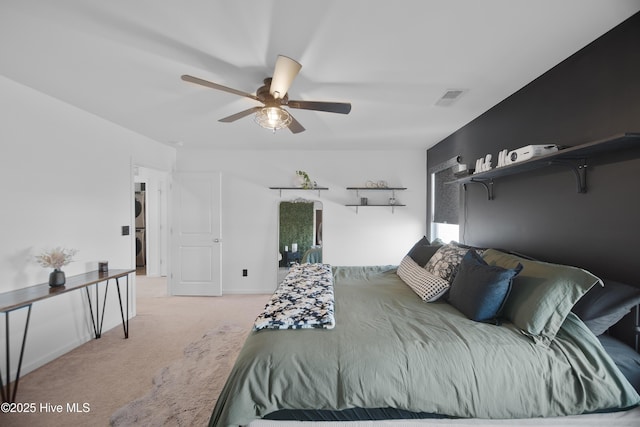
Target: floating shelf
x,y
393,194
392,189
393,207
318,189
575,158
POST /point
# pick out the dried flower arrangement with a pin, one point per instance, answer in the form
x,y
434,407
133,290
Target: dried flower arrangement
x,y
56,258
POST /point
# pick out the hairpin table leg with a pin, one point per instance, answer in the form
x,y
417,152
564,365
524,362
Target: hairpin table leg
x,y
5,389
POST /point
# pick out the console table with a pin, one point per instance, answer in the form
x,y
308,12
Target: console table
x,y
25,297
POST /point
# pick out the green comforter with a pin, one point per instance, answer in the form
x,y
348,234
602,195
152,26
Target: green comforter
x,y
391,349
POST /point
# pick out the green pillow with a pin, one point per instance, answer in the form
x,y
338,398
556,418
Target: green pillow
x,y
542,294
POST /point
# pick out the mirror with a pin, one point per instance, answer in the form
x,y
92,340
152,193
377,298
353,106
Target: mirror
x,y
300,232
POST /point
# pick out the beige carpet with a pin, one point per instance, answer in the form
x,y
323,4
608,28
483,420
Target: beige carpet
x,y
184,392
169,339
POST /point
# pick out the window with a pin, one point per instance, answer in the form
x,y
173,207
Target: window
x,y
445,201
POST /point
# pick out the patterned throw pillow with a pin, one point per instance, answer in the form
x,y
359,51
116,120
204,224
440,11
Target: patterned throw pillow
x,y
445,262
424,284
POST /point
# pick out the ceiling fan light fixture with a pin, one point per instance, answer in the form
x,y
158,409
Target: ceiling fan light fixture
x,y
273,118
273,95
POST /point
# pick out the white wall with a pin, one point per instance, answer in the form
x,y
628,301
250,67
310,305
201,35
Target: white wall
x,y
65,180
249,207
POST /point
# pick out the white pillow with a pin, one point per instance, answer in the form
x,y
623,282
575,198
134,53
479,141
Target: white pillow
x,y
426,285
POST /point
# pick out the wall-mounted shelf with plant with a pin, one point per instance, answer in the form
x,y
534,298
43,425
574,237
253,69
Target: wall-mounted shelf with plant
x,y
301,181
318,189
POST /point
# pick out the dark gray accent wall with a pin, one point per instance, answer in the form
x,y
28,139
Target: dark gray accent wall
x,y
591,95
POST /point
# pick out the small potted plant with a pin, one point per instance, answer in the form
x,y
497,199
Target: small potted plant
x,y
303,180
56,258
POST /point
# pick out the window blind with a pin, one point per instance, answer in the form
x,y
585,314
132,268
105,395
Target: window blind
x,y
446,197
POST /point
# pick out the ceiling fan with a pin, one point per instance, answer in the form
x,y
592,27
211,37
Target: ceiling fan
x,y
273,94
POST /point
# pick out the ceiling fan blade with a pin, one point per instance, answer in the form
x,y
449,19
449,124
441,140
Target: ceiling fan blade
x,y
295,126
198,81
331,107
241,114
285,71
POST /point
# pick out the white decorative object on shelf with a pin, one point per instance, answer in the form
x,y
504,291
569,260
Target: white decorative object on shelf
x,y
487,162
376,184
502,158
459,168
528,152
483,164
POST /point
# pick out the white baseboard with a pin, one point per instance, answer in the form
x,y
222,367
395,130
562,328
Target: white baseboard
x,y
248,291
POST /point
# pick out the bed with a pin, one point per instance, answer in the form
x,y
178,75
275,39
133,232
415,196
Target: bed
x,y
402,348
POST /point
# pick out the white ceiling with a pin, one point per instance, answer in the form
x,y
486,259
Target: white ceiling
x,y
122,60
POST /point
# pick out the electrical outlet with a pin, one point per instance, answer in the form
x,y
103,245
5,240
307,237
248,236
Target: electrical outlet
x,y
244,272
125,230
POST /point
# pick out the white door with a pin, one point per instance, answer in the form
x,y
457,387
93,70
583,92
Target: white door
x,y
196,241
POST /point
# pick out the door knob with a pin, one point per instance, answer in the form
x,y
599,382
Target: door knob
x,y
217,240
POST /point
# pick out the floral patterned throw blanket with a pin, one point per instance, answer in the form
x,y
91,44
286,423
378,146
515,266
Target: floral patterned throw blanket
x,y
303,300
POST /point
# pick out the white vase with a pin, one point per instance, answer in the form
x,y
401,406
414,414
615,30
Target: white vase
x,y
298,181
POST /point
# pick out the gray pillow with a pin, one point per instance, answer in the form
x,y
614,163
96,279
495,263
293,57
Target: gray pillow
x,y
625,358
422,242
603,307
422,251
422,254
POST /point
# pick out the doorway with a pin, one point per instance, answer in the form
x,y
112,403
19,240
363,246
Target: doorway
x,y
140,221
151,221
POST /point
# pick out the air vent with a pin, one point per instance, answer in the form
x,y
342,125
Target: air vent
x,y
449,97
